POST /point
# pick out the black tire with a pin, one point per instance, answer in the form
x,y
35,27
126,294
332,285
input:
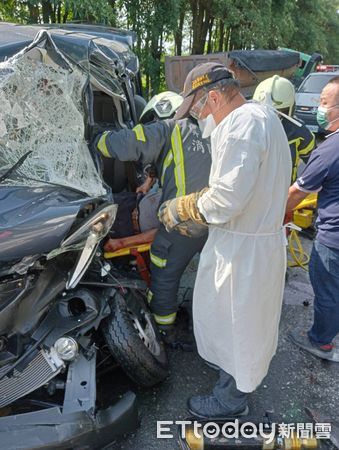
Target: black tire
x,y
143,361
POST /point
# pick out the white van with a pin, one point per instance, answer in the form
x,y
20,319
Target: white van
x,y
308,96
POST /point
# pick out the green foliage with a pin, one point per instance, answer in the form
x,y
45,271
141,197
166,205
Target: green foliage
x,y
89,11
165,26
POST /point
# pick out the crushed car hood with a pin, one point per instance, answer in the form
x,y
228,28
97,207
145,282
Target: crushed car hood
x,y
35,220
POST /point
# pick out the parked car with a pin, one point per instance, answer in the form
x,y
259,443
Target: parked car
x,y
65,312
308,96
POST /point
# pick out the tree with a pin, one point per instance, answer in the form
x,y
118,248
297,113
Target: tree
x,y
202,16
196,26
178,32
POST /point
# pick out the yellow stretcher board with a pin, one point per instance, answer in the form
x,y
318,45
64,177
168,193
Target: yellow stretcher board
x,y
128,251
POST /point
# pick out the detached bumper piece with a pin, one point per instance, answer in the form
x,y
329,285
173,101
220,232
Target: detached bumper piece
x,y
51,429
77,424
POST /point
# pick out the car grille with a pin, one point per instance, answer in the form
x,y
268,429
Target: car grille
x,y
44,367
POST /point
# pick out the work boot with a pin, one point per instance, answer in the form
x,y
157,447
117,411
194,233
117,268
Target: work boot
x,y
169,335
208,407
327,351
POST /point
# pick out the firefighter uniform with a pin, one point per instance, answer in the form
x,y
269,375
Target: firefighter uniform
x,y
183,163
301,142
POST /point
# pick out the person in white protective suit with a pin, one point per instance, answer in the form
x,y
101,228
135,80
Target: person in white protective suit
x,y
239,287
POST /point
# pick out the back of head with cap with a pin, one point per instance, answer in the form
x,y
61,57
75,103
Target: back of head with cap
x,y
203,76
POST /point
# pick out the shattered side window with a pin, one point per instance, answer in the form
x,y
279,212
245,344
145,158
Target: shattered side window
x,y
41,111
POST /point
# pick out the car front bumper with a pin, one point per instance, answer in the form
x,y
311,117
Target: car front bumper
x,y
52,429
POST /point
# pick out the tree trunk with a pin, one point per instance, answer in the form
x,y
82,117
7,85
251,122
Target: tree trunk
x,y
46,11
147,65
65,15
156,50
210,36
33,13
190,45
221,35
227,39
179,30
201,20
57,13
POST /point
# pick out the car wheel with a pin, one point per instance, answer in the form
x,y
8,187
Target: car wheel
x,y
133,339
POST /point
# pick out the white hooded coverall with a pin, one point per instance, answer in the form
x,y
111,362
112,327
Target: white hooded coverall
x,y
239,287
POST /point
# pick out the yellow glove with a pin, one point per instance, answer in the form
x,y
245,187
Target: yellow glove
x,y
180,212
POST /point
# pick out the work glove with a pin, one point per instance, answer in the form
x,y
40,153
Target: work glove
x,y
182,214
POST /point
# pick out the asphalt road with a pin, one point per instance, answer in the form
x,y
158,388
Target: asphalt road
x,y
295,380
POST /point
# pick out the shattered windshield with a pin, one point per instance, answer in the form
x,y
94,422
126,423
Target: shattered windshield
x,y
41,112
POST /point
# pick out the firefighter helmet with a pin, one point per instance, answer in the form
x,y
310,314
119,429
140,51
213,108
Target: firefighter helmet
x,y
278,92
161,106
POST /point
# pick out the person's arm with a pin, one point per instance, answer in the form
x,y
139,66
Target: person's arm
x,y
113,245
295,196
143,143
310,181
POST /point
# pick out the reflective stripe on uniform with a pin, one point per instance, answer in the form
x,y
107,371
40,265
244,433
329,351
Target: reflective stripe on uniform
x,y
167,163
165,320
139,133
179,164
102,145
159,262
308,148
305,151
295,155
149,296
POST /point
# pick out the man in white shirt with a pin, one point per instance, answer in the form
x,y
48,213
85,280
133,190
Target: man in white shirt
x,y
240,281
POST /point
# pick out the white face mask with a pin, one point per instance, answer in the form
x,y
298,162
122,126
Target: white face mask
x,y
206,126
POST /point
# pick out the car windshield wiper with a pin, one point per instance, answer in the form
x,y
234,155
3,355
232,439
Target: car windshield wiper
x,y
15,166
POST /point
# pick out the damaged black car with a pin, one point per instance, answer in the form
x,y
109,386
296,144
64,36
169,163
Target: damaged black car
x,y
67,315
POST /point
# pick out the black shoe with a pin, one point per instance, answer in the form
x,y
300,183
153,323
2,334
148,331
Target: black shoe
x,y
208,407
169,336
168,333
301,339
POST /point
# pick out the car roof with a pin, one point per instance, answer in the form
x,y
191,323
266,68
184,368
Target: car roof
x,y
78,42
14,37
103,53
11,32
319,74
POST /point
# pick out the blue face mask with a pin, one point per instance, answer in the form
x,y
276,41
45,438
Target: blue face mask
x,y
322,116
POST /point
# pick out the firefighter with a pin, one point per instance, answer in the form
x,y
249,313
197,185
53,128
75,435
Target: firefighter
x,y
183,161
279,92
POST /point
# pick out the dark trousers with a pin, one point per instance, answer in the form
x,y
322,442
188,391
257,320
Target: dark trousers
x,y
324,276
227,394
170,255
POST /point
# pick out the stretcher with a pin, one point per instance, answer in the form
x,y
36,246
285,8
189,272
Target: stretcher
x,y
141,254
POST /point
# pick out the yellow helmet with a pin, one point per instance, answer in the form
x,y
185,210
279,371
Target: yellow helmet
x,y
278,92
161,106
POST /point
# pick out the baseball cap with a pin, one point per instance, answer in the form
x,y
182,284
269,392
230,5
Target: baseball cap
x,y
200,76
